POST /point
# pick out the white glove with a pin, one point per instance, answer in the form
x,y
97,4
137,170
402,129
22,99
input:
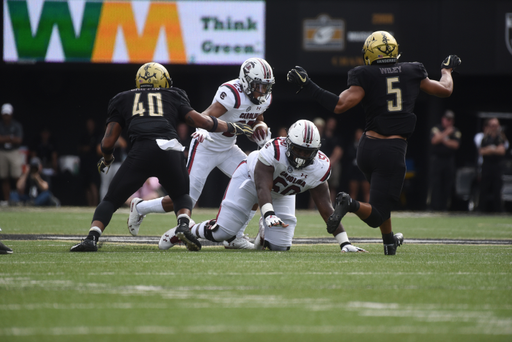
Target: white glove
x,y
262,141
273,221
201,134
352,249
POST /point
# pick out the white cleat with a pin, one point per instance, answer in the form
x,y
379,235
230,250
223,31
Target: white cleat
x,y
169,239
259,241
352,249
134,219
239,243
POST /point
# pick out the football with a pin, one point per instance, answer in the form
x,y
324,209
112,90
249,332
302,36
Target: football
x,y
260,131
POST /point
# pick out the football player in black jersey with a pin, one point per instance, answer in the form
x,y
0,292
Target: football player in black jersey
x,y
151,112
387,90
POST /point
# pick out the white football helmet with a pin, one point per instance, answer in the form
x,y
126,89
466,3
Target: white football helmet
x,y
257,75
303,142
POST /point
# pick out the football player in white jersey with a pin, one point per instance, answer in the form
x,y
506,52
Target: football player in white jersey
x,y
271,177
244,99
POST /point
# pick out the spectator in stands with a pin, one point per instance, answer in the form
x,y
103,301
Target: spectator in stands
x,y
44,148
492,149
88,159
445,140
11,161
33,187
477,139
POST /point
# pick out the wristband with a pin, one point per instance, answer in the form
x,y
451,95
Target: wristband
x,y
215,124
267,209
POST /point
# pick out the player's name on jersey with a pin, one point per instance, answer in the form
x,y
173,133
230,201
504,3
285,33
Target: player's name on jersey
x,y
249,115
392,70
292,180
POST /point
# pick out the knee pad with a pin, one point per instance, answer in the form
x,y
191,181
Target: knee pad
x,y
182,202
104,212
375,219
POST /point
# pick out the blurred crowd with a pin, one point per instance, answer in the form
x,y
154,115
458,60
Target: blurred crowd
x,y
34,173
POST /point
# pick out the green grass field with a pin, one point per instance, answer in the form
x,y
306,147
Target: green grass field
x,y
134,292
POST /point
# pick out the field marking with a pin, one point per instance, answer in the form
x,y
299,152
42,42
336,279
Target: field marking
x,y
255,329
295,241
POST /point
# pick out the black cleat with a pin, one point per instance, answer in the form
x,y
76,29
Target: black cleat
x,y
390,249
183,233
4,249
341,205
87,245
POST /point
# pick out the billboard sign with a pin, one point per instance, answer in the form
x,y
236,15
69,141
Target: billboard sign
x,y
177,32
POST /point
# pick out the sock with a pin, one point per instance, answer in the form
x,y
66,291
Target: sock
x,y
353,205
94,233
151,206
342,238
183,219
388,239
198,229
242,230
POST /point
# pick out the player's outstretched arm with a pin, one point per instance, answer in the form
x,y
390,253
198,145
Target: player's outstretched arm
x,y
332,102
212,124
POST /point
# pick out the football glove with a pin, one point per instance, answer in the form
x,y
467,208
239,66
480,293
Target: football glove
x,y
273,221
239,128
102,164
298,76
201,135
451,62
352,249
263,140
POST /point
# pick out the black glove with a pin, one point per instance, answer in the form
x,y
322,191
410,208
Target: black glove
x,y
239,128
298,76
451,62
102,164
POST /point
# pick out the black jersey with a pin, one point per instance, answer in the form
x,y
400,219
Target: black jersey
x,y
488,140
390,93
149,113
441,150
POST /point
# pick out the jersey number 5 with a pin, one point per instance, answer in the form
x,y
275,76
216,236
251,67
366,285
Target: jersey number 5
x,y
396,105
154,101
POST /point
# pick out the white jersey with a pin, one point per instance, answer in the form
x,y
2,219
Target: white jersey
x,y
239,109
287,179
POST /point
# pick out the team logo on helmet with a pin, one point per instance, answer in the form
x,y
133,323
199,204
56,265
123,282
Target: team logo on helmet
x,y
388,49
147,74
